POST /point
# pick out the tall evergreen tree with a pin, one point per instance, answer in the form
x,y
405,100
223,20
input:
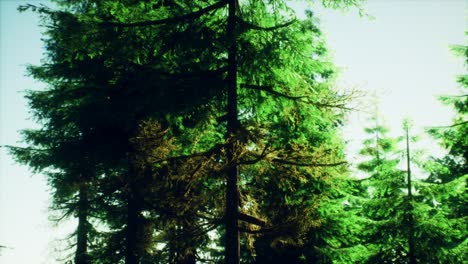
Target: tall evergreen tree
x,y
386,206
448,177
112,66
417,228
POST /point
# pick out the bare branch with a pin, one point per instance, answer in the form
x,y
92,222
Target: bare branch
x,y
303,98
330,105
269,89
170,20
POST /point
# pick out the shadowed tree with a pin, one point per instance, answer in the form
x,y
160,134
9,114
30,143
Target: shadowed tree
x,y
249,73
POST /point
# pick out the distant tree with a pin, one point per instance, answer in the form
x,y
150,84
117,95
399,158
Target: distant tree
x,y
386,205
410,220
447,225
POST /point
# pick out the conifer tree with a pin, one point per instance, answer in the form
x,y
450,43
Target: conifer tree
x,y
447,225
247,82
386,206
98,96
417,228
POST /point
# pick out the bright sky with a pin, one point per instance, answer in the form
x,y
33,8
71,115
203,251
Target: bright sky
x,y
403,55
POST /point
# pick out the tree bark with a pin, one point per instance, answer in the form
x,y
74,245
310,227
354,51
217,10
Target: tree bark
x,y
131,254
81,256
232,250
411,256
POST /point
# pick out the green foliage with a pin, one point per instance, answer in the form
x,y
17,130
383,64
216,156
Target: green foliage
x,y
386,206
447,183
133,138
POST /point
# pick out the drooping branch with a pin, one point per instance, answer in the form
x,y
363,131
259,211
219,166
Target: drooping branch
x,y
341,105
257,159
256,27
255,231
213,150
170,20
251,219
217,71
453,125
455,96
308,164
302,98
270,90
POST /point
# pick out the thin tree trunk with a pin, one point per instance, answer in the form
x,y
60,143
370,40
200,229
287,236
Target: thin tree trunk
x,y
187,256
411,256
188,247
232,251
131,254
81,256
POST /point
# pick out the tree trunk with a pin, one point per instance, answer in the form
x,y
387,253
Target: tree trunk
x,y
232,251
131,254
187,256
411,256
81,256
188,247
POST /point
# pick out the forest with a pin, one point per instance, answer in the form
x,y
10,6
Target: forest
x,y
209,131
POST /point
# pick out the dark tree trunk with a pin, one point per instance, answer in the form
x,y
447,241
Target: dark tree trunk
x,y
187,256
131,252
81,256
232,252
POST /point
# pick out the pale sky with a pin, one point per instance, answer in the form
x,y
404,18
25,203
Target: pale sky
x,y
403,54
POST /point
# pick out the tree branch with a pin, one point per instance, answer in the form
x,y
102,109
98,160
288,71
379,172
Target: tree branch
x,y
256,27
253,231
251,219
306,164
259,158
461,95
217,71
330,105
170,20
450,126
269,89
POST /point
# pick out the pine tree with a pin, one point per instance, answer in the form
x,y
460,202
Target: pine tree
x,y
446,185
113,67
386,206
98,95
417,228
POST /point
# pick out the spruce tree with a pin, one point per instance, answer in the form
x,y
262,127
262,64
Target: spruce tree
x,y
446,185
386,206
235,91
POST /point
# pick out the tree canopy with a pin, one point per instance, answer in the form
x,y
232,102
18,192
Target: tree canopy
x,y
209,131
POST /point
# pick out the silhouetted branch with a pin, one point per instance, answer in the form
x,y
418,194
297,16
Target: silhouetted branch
x,y
256,27
308,164
251,219
330,105
170,20
269,89
258,159
450,126
209,152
